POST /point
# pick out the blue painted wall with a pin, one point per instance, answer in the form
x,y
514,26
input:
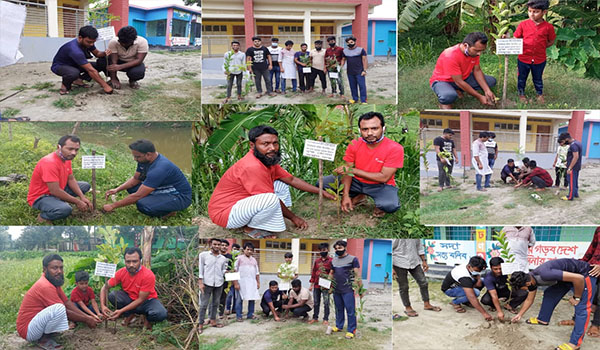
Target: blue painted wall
x,y
385,36
594,148
138,18
381,264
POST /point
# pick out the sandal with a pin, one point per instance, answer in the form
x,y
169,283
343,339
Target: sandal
x,y
217,325
434,308
565,346
63,91
258,234
83,86
511,310
459,309
240,320
595,333
411,313
49,344
534,320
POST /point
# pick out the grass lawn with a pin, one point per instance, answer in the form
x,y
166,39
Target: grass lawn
x,y
19,156
562,89
450,208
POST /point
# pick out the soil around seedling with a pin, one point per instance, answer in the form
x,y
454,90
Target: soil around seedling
x,y
380,80
470,330
171,79
504,205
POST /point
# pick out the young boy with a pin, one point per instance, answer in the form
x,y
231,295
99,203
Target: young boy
x,y
321,268
249,282
560,163
537,35
83,296
508,172
287,272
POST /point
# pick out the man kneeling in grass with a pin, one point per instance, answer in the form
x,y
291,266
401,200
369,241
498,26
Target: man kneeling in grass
x,y
45,309
158,187
253,194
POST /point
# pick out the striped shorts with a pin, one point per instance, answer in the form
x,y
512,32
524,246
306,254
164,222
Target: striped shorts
x,y
261,211
52,319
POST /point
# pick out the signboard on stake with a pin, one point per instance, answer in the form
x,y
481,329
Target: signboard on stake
x,y
105,269
321,151
509,46
93,162
106,33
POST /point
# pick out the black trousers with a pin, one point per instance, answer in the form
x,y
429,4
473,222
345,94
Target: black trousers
x,y
313,78
134,73
538,182
304,80
70,73
277,304
518,297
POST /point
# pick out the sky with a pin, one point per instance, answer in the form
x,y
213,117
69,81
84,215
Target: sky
x,y
387,9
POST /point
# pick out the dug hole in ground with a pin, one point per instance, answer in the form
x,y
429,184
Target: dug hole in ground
x,y
504,205
448,329
373,333
380,80
170,90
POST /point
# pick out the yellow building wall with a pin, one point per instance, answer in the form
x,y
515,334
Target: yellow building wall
x,y
61,27
502,146
304,263
223,45
34,28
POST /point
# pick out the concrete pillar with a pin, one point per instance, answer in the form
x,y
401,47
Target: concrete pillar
x,y
465,138
360,25
120,8
523,131
576,125
249,25
356,247
370,260
306,29
373,41
168,27
296,252
52,8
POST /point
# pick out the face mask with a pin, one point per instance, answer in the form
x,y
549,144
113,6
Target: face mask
x,y
467,51
323,254
318,48
475,273
332,44
351,45
340,252
274,44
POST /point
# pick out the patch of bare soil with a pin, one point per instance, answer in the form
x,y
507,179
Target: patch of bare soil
x,y
450,330
168,75
381,89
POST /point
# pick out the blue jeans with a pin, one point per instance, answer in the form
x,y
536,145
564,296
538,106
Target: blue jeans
x,y
384,195
276,71
537,70
152,308
161,204
487,180
239,304
52,208
459,295
345,302
294,84
357,82
491,162
231,297
317,293
573,180
554,294
89,306
446,91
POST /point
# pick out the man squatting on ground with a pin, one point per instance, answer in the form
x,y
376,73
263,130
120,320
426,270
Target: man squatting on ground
x,y
253,194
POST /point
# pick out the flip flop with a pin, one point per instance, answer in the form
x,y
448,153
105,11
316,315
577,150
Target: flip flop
x,y
434,308
459,309
565,346
511,310
412,313
83,86
217,325
534,320
258,234
50,344
63,92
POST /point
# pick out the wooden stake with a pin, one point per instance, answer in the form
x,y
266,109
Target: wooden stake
x,y
505,81
320,187
94,184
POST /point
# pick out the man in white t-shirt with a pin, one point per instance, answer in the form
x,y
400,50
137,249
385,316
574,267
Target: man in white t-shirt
x,y
128,53
275,52
317,59
463,284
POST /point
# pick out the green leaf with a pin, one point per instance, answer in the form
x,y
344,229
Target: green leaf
x,y
580,55
566,34
552,52
585,32
232,129
590,48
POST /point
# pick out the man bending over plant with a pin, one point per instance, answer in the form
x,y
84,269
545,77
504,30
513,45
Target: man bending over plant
x,y
253,194
371,164
138,294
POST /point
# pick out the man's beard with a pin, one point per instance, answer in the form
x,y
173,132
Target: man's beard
x,y
268,161
57,282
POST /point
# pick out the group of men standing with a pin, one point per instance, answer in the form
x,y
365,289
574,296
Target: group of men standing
x,y
275,65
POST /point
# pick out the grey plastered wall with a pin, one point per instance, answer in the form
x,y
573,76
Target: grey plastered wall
x,y
39,49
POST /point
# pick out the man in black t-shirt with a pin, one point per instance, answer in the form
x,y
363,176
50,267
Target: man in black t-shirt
x,y
561,275
445,164
496,284
272,301
463,284
260,57
573,165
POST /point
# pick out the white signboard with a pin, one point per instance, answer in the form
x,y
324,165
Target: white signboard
x,y
284,286
180,41
509,46
105,269
319,150
232,276
333,75
546,251
93,162
106,33
306,70
508,268
325,283
449,252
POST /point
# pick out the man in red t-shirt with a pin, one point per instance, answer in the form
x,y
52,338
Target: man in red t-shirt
x,y
457,70
337,53
138,295
45,309
538,177
537,35
253,194
53,185
372,160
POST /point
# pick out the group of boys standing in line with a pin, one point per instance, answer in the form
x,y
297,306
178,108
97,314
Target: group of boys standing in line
x,y
222,297
274,65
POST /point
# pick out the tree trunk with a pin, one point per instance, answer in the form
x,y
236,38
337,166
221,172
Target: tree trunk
x,y
147,235
75,127
35,142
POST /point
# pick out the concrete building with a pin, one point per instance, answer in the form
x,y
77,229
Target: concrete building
x,y
590,138
296,20
527,131
169,25
381,36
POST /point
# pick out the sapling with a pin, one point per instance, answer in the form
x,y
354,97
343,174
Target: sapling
x,y
332,66
336,189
